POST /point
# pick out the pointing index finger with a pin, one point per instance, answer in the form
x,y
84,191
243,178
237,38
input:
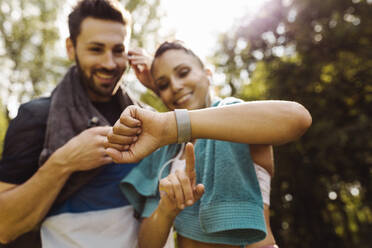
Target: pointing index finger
x,y
190,163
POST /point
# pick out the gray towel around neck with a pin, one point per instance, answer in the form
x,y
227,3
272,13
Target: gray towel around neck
x,y
70,113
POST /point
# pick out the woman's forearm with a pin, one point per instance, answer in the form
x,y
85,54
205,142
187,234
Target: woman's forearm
x,y
257,122
154,231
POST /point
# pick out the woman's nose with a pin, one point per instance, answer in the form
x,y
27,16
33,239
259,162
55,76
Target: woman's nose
x,y
176,85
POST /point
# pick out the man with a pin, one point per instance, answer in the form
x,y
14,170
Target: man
x,y
54,170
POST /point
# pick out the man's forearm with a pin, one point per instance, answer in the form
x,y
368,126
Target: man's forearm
x,y
23,206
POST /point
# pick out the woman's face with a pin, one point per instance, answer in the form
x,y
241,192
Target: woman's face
x,y
181,80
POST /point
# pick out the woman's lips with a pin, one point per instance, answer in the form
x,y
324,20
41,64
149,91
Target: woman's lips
x,y
183,99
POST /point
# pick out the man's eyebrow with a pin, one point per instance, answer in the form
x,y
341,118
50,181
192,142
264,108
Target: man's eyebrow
x,y
120,45
96,43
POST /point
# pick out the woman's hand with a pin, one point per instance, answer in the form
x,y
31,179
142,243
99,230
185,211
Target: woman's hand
x,y
138,133
179,189
140,61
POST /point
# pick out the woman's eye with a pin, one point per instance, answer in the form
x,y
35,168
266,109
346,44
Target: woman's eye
x,y
183,72
163,86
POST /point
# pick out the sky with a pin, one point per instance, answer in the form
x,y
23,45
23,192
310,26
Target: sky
x,y
199,22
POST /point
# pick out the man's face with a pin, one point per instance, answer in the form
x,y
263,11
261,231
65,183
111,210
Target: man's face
x,y
100,55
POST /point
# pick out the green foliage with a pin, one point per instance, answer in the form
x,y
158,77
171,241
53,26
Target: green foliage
x,y
3,127
28,33
154,101
146,17
318,53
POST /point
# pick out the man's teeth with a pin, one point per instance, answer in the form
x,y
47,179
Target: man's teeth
x,y
105,76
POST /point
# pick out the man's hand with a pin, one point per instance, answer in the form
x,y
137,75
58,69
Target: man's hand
x,y
85,151
141,61
179,189
138,133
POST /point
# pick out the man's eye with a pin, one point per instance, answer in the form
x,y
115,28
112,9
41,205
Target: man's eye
x,y
119,51
95,49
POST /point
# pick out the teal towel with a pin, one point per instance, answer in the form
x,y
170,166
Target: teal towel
x,y
231,209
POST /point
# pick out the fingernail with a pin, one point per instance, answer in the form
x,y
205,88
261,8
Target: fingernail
x,y
139,131
189,202
182,206
135,138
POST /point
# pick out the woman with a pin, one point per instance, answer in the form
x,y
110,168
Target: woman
x,y
181,81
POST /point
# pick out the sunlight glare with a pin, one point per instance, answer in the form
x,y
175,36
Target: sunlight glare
x,y
198,23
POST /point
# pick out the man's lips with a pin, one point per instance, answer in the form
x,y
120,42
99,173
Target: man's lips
x,y
102,75
107,79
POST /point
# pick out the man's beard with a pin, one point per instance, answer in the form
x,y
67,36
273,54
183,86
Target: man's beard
x,y
88,82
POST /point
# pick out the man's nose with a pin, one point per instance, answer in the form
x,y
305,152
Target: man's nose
x,y
108,61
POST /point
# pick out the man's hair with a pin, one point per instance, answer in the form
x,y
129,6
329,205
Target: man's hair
x,y
174,45
101,9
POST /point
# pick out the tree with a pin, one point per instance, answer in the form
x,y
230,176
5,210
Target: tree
x,y
318,53
3,126
28,33
146,17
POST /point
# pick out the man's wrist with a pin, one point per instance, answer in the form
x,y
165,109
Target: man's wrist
x,y
57,162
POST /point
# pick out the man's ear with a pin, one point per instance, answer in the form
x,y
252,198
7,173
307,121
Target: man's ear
x,y
70,48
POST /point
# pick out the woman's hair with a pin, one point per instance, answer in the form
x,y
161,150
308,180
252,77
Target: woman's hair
x,y
174,45
101,9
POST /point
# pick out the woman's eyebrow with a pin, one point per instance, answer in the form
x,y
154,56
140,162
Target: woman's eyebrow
x,y
177,67
160,79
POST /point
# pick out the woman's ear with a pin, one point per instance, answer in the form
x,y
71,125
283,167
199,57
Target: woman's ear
x,y
209,74
70,48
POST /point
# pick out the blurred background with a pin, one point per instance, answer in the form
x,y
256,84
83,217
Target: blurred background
x,y
316,52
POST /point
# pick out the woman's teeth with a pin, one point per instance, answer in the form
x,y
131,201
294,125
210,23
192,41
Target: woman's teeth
x,y
182,99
